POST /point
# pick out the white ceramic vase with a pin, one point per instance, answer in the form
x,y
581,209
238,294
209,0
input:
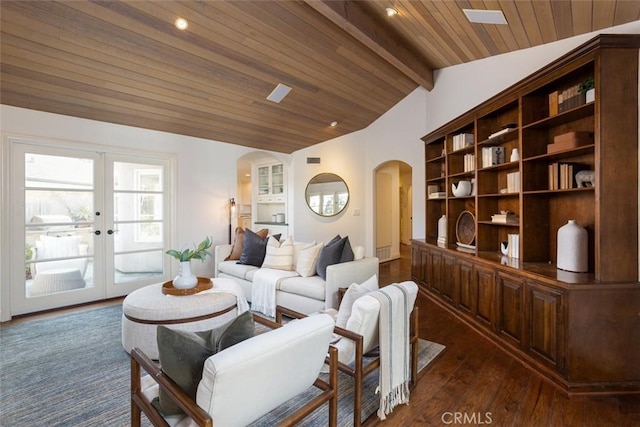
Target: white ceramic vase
x,y
185,278
590,95
515,155
572,248
442,228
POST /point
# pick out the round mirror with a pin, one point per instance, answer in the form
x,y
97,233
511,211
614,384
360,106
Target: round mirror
x,y
327,194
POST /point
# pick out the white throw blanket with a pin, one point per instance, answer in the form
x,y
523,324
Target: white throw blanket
x,y
230,287
263,289
396,304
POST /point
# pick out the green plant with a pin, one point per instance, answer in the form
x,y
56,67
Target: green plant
x,y
586,85
200,252
28,254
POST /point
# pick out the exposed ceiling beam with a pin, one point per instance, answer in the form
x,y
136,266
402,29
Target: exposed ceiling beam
x,y
356,20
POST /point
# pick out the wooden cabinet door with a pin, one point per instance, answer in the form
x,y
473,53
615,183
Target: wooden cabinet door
x,y
419,265
511,293
545,324
486,297
434,271
467,300
449,279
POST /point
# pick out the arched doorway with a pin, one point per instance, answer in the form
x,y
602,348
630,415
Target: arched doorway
x,y
393,208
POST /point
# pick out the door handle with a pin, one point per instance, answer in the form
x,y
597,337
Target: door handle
x,y
110,231
97,232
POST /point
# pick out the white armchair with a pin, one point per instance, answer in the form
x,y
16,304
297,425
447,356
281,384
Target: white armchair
x,y
57,249
247,380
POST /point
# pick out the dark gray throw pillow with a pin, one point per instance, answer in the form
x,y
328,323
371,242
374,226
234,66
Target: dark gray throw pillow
x,y
347,251
183,353
330,254
254,250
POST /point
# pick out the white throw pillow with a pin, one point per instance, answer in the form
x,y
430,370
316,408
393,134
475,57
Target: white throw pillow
x,y
298,247
279,255
354,292
358,253
307,260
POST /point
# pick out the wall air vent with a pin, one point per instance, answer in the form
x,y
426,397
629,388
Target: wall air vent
x,y
279,93
313,160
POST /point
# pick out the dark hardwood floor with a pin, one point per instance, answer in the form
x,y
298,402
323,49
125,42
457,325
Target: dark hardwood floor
x,y
473,382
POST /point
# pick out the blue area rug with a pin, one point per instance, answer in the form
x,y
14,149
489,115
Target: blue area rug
x,y
71,370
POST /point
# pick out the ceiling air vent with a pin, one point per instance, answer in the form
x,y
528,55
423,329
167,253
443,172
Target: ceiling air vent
x,y
480,16
279,93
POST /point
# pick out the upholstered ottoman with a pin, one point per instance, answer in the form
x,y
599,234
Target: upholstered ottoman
x,y
146,308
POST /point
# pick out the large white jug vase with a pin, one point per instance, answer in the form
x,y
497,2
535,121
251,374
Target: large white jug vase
x,y
185,279
572,248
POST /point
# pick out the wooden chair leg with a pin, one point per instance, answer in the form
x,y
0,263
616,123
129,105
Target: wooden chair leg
x,y
358,377
414,346
135,389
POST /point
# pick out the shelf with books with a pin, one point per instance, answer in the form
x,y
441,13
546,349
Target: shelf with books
x,y
548,100
530,291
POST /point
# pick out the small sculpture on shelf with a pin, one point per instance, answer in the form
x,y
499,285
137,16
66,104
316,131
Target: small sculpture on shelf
x,y
585,178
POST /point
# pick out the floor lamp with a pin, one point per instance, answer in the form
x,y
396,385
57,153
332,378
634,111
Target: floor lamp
x,y
232,206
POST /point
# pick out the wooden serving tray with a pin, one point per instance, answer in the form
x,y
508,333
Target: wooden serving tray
x,y
204,283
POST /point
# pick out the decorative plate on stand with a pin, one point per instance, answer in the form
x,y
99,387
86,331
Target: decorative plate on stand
x,y
466,229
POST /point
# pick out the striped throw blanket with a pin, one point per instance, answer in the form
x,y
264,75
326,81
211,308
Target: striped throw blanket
x,y
396,304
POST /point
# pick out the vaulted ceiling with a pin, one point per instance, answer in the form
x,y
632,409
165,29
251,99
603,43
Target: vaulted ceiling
x,y
125,62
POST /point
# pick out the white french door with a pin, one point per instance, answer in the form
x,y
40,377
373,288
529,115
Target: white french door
x,y
89,225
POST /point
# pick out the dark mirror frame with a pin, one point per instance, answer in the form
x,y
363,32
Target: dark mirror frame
x,y
340,188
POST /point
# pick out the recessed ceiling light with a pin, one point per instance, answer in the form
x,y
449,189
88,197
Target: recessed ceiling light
x,y
181,24
480,16
279,93
334,124
391,11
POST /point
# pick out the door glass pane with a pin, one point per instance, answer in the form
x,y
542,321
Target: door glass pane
x,y
138,221
58,224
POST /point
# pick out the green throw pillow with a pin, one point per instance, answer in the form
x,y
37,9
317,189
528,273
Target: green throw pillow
x,y
183,353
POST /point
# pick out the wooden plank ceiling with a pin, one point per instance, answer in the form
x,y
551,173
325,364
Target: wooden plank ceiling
x,y
125,62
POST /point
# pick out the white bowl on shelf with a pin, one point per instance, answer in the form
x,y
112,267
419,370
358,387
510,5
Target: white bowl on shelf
x,y
461,189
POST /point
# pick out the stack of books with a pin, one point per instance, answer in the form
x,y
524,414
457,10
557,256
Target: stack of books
x,y
462,140
492,156
469,162
513,182
437,195
513,246
562,175
564,100
505,218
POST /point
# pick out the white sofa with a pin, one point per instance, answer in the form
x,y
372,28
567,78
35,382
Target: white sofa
x,y
303,294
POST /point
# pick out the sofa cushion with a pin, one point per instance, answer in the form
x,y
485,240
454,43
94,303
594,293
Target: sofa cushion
x,y
183,353
310,287
234,269
307,260
279,255
336,250
354,292
254,249
238,243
